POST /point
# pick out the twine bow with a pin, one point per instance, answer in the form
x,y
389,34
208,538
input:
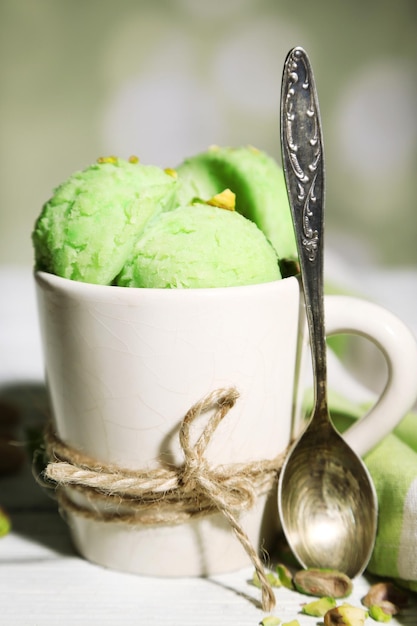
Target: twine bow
x,y
167,495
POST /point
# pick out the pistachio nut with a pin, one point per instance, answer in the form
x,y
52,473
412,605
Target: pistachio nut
x,y
323,582
387,596
345,615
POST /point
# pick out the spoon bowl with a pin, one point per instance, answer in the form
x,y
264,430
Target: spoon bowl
x,y
326,498
325,503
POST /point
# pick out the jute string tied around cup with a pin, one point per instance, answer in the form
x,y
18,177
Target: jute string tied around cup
x,y
167,494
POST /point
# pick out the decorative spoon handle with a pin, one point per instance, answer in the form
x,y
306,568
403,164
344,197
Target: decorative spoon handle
x,y
302,157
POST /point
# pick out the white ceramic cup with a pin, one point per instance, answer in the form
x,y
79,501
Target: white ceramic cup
x,y
123,366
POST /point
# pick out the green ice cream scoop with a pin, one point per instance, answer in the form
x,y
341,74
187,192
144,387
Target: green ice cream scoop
x,y
89,227
200,246
258,183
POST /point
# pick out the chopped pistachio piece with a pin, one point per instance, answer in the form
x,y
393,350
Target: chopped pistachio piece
x,y
270,620
285,576
171,172
293,622
271,578
224,200
318,608
378,614
108,159
323,582
345,615
5,523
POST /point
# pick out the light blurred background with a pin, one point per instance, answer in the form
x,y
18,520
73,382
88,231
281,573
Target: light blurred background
x,y
164,79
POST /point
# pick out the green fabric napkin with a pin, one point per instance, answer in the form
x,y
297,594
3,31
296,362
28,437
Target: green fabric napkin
x,y
393,467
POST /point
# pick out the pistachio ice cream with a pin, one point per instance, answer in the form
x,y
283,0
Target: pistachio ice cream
x,y
258,183
88,228
119,222
200,246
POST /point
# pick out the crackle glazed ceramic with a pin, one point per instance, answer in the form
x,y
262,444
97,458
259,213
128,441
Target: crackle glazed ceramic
x,y
123,367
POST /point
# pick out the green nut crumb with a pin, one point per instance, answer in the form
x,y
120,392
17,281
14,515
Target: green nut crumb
x,y
271,578
270,620
108,159
5,523
224,200
171,172
378,614
318,608
284,576
293,622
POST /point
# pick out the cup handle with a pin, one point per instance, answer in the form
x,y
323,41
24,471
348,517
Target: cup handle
x,y
345,314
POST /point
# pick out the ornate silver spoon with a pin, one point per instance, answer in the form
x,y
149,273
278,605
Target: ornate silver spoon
x,y
326,498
